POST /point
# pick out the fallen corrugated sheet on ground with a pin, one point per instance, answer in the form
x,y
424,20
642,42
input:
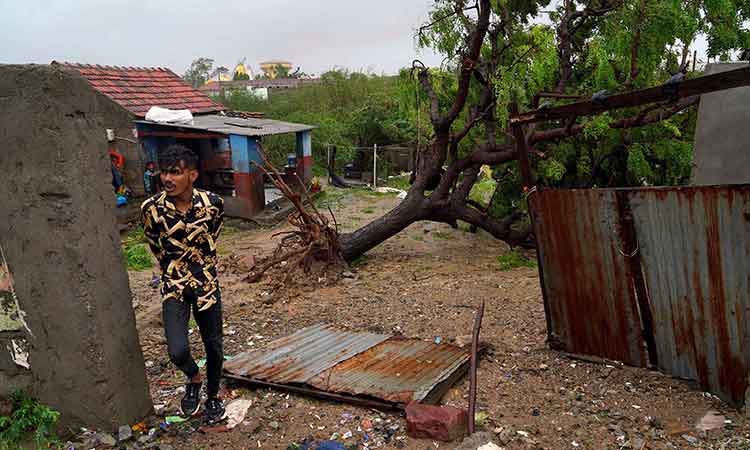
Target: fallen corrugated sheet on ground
x,y
361,367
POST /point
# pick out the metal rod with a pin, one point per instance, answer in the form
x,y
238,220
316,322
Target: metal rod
x,y
473,367
328,161
374,166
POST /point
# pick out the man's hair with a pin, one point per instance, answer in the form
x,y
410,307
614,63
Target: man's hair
x,y
172,155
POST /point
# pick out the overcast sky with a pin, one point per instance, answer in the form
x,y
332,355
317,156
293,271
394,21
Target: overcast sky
x,y
377,36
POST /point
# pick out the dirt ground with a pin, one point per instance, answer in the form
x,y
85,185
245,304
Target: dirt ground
x,y
425,283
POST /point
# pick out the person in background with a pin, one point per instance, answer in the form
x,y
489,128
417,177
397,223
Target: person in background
x,y
117,163
182,225
149,182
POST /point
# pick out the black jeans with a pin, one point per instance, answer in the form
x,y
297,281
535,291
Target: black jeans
x,y
176,315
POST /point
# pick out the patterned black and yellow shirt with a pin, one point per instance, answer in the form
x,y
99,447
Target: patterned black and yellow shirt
x,y
185,244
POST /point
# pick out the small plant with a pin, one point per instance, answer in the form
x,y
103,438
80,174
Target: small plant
x,y
330,197
514,259
134,236
28,420
359,261
368,210
138,257
399,182
442,235
135,249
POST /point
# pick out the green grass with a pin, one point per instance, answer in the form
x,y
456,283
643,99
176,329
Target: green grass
x,y
514,259
228,230
399,182
367,193
134,236
368,210
135,250
418,237
442,235
138,257
29,421
359,261
329,197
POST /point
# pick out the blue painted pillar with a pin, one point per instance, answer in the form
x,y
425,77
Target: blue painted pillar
x,y
249,195
304,155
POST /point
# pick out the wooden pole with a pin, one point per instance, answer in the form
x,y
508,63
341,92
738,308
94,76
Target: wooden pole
x,y
688,88
473,367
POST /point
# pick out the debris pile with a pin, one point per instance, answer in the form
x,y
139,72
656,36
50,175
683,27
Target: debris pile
x,y
312,241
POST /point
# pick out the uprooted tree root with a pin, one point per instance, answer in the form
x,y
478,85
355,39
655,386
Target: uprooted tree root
x,y
313,244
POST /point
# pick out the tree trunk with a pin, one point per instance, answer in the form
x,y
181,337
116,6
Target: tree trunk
x,y
355,244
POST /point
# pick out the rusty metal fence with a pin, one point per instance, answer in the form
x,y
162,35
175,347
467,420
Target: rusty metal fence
x,y
655,277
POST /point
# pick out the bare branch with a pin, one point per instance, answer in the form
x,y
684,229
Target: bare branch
x,y
478,113
469,64
447,16
501,229
424,78
470,177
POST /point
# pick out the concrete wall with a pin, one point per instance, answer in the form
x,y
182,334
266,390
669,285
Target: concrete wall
x,y
721,155
58,234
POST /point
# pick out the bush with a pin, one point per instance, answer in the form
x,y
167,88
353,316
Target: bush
x,y
514,259
28,420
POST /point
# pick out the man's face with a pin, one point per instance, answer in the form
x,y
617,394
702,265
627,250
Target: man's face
x,y
178,179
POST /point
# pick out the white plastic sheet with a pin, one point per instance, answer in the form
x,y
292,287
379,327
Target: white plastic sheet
x,y
165,115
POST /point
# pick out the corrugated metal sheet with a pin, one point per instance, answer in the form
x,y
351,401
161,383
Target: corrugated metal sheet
x,y
302,355
397,370
695,247
694,252
325,358
593,309
236,125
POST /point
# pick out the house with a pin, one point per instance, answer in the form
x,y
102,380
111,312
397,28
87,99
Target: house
x,y
136,89
259,87
228,147
227,144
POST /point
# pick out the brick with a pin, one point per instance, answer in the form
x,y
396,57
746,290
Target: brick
x,y
442,423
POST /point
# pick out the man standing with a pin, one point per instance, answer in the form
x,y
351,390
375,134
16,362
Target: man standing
x,y
182,224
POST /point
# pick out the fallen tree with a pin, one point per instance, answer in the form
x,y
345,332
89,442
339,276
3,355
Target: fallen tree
x,y
499,61
445,172
313,240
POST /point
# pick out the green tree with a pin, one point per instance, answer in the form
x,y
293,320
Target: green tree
x,y
497,52
199,71
348,109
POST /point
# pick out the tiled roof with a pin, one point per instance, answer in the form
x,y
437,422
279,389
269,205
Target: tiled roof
x,y
139,88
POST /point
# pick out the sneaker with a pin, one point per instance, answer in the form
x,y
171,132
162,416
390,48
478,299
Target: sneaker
x,y
192,399
215,411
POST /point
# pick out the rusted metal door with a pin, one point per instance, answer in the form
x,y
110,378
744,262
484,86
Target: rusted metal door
x,y
664,266
695,247
592,302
